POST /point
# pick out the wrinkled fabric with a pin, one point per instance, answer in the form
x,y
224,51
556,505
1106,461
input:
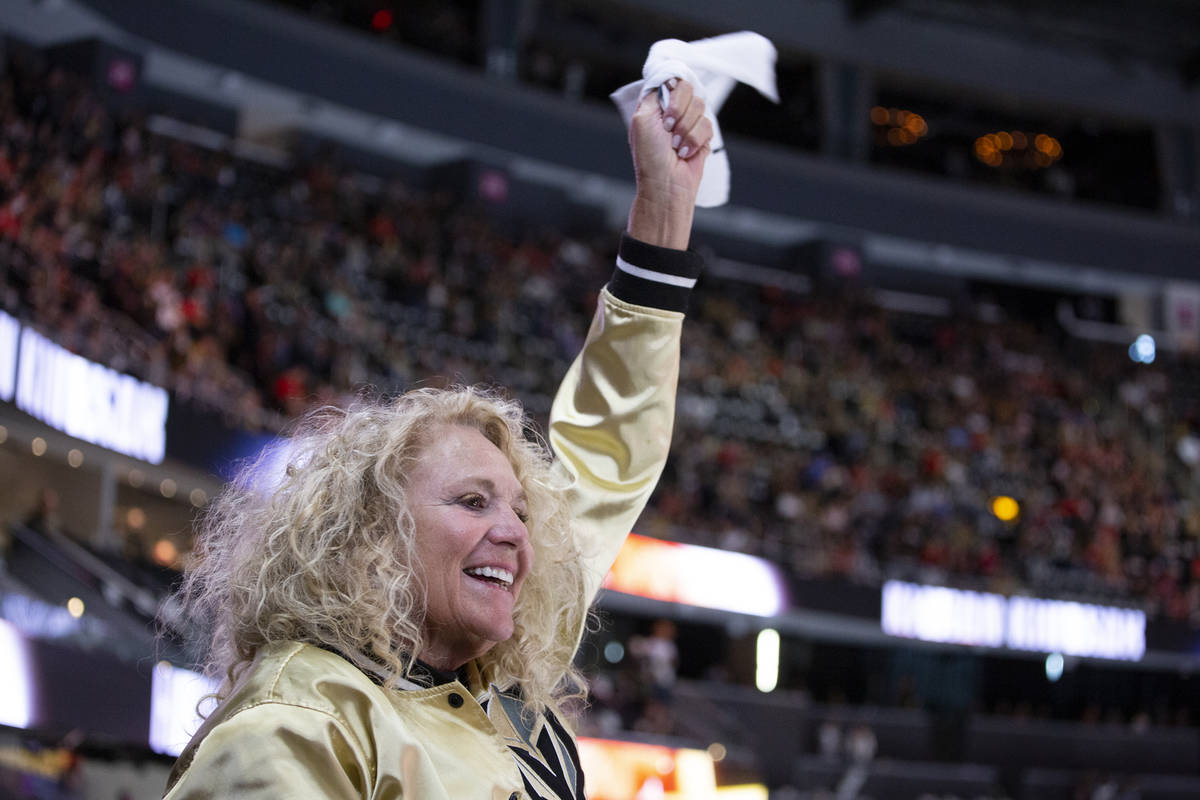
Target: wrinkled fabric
x,y
305,723
713,67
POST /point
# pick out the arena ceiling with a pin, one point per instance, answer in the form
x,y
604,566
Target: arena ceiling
x,y
1163,33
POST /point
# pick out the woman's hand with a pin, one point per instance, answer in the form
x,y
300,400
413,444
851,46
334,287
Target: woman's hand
x,y
669,149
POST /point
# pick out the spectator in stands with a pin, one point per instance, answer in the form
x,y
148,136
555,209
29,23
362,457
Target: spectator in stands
x,y
402,608
655,660
829,740
861,744
658,658
45,517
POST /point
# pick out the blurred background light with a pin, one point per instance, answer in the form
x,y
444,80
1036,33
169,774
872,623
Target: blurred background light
x,y
766,671
1054,667
1143,350
1005,508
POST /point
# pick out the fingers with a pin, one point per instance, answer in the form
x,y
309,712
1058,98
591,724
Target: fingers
x,y
684,118
697,139
681,99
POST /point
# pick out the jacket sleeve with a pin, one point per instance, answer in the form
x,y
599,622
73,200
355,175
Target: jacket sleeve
x,y
275,750
611,421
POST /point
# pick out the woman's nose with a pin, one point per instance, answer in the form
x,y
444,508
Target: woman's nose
x,y
509,529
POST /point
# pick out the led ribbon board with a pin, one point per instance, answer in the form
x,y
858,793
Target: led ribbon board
x,y
617,770
954,616
10,331
176,694
80,398
697,576
18,698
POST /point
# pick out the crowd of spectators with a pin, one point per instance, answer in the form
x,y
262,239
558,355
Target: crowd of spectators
x,y
897,433
821,432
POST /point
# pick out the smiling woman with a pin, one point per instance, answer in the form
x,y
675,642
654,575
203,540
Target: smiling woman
x,y
397,617
468,510
366,546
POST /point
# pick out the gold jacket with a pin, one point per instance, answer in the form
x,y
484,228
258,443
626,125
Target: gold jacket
x,y
303,722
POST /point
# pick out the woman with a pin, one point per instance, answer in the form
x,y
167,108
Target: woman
x,y
397,618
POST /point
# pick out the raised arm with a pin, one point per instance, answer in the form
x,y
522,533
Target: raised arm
x,y
611,421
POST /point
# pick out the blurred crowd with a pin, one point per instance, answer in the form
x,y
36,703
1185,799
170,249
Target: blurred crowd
x,y
872,445
822,432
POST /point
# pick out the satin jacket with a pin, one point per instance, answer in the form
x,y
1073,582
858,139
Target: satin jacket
x,y
303,722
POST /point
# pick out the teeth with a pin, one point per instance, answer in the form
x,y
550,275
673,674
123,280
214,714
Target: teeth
x,y
495,573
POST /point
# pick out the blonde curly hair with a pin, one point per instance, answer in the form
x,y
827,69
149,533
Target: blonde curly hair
x,y
326,555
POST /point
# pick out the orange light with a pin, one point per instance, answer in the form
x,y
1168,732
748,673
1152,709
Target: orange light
x,y
1043,160
1005,139
1056,150
135,518
165,552
907,136
984,147
1042,143
916,124
880,115
896,116
1005,508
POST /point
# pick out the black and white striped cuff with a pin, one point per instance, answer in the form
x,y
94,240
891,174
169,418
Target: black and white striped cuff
x,y
658,277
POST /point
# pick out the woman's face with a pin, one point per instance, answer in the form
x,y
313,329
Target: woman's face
x,y
471,544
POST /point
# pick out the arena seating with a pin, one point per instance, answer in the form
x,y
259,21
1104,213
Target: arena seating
x,y
825,433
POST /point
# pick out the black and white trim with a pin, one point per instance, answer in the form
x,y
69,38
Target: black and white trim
x,y
659,277
550,768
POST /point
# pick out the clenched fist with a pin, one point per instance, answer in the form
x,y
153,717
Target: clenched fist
x,y
669,149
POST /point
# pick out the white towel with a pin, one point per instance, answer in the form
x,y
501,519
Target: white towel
x,y
712,67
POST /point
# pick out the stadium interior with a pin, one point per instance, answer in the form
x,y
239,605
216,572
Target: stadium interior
x,y
931,524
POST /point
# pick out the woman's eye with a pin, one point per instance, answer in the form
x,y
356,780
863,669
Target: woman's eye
x,y
473,501
522,515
